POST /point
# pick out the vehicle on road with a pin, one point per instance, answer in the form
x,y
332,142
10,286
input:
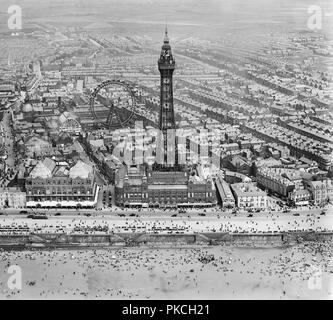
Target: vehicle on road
x,y
121,215
23,212
87,214
296,214
202,214
58,214
174,215
250,215
39,216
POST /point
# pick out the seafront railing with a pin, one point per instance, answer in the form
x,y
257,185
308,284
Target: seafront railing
x,y
55,240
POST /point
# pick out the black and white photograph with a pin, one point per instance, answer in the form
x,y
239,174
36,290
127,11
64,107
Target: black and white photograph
x,y
158,150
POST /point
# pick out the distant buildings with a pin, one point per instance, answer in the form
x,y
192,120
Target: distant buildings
x,y
52,184
238,164
7,90
299,145
69,124
37,146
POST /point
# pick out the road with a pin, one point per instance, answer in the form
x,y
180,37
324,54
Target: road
x,y
269,223
114,211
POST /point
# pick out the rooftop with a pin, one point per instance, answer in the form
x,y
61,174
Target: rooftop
x,y
49,169
247,190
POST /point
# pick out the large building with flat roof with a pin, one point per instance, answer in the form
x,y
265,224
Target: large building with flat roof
x,y
249,196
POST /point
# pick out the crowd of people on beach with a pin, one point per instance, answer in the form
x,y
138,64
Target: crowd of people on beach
x,y
223,271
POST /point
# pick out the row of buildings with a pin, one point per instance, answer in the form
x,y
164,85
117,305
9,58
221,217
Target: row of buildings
x,y
52,184
295,185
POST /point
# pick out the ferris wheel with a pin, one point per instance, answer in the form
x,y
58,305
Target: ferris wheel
x,y
112,103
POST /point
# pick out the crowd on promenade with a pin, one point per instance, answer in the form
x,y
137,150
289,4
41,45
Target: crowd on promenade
x,y
100,225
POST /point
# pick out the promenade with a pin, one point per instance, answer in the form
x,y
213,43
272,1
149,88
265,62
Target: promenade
x,y
165,223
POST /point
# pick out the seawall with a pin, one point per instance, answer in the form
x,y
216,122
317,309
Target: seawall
x,y
138,239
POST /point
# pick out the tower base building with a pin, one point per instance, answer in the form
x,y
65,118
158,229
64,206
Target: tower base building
x,y
139,186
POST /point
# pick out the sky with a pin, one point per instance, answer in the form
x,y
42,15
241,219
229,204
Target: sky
x,y
206,13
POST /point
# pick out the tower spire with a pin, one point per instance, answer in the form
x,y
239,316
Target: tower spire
x,y
166,37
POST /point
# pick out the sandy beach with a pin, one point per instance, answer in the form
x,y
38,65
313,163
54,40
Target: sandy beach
x,y
173,273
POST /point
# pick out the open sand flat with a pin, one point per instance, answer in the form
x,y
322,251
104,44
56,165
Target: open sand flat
x,y
173,273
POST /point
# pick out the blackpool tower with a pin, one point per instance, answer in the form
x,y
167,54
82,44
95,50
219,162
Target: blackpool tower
x,y
167,126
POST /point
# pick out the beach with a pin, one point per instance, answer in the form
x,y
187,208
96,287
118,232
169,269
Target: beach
x,y
260,268
303,271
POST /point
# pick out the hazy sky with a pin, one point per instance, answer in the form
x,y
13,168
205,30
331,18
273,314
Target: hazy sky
x,y
178,12
203,8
